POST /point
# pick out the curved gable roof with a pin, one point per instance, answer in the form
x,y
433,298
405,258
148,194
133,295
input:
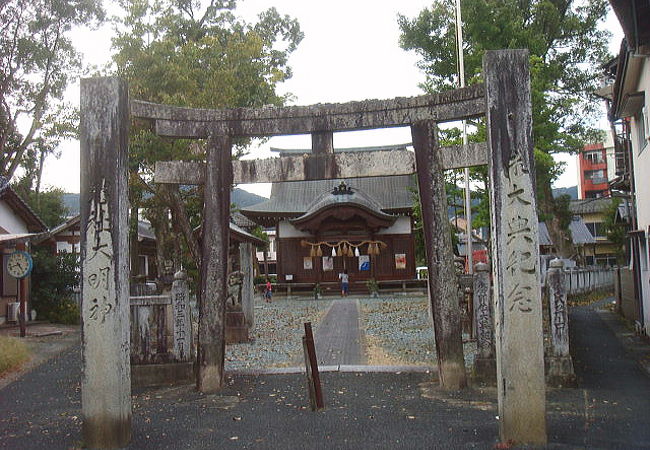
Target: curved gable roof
x,y
292,199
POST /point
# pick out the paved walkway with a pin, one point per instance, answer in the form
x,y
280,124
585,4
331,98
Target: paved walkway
x,y
614,388
377,410
338,338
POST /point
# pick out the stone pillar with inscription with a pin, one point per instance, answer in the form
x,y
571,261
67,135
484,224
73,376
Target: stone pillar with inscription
x,y
443,281
559,371
214,266
519,345
106,379
248,289
484,363
181,318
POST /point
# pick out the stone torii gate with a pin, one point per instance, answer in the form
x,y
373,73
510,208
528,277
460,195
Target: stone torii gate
x,y
504,99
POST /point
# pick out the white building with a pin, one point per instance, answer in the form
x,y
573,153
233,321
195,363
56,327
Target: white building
x,y
631,103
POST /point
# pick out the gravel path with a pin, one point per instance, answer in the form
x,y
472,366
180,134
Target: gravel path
x,y
399,332
277,337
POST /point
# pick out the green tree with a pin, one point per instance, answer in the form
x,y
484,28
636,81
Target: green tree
x,y
53,280
615,230
180,52
47,204
37,61
566,50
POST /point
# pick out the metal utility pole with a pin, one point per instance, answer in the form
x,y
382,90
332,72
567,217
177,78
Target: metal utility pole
x,y
468,198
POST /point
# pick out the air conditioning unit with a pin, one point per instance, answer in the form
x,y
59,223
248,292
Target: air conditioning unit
x,y
13,311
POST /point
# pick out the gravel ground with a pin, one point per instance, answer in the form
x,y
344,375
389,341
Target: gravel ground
x,y
277,337
399,332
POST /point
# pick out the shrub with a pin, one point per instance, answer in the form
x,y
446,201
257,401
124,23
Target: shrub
x,y
13,353
67,313
53,280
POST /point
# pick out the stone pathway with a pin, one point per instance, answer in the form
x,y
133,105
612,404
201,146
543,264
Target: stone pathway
x,y
338,337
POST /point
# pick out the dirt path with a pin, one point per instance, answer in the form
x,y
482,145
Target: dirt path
x,y
45,341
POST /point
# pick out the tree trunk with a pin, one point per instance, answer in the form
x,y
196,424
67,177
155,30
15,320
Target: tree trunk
x,y
173,199
560,237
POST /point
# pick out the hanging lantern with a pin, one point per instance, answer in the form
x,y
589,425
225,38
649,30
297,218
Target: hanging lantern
x,y
319,252
356,252
333,251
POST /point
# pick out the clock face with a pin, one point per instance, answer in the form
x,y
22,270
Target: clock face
x,y
19,264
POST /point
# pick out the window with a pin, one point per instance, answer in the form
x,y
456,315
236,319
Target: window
x,y
143,265
642,129
596,176
64,247
594,157
594,194
596,229
606,260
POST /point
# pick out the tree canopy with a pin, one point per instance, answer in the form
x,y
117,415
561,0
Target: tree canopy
x,y
566,48
187,53
37,61
566,51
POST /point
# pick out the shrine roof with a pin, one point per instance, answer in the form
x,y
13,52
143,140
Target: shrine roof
x,y
344,195
388,194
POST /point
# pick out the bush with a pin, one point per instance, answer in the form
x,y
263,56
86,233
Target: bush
x,y
67,313
13,353
53,280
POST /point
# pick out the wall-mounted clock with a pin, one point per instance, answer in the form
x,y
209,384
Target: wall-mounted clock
x,y
19,264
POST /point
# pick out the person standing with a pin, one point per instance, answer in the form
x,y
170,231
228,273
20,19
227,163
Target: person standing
x,y
345,283
268,292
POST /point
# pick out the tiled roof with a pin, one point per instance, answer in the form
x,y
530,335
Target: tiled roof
x,y
241,220
354,197
590,205
392,193
580,234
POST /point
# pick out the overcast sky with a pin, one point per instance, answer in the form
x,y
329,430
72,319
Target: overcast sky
x,y
350,52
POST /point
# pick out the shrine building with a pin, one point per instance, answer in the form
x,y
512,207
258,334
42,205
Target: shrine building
x,y
362,225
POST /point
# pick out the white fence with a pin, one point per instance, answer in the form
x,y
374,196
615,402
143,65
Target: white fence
x,y
589,279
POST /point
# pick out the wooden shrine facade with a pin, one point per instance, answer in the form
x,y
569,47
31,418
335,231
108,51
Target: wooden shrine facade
x,y
324,227
504,99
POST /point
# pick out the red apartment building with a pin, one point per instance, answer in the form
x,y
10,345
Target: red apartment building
x,y
592,166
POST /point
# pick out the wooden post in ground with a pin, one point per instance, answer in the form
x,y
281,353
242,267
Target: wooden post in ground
x,y
214,268
443,281
515,249
246,256
106,379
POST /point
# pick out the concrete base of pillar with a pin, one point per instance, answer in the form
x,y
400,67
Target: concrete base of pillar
x,y
168,374
485,371
559,372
